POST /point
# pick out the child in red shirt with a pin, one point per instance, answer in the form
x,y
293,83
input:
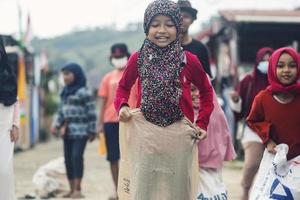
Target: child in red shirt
x,y
275,113
164,72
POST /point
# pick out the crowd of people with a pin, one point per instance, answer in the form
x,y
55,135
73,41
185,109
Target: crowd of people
x,y
163,95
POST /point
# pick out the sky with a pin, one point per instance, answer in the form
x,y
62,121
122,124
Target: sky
x,y
52,18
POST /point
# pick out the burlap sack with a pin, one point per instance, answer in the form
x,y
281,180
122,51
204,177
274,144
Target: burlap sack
x,y
157,163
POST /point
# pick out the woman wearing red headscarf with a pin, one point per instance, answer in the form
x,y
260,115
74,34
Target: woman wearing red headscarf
x,y
241,103
275,114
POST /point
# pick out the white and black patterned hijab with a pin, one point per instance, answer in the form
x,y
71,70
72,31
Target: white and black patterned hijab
x,y
160,68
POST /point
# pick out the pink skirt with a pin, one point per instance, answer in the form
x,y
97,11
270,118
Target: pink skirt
x,y
217,147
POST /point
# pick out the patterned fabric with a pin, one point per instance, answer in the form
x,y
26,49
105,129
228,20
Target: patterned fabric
x,y
163,7
159,70
79,112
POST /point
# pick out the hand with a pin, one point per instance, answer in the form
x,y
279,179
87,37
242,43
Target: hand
x,y
92,137
14,134
100,127
53,130
202,134
124,114
63,131
271,146
235,96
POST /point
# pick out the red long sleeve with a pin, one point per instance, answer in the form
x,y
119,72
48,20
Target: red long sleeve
x,y
192,73
257,120
277,121
128,79
195,73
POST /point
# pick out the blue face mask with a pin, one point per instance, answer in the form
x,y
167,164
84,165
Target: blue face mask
x,y
263,67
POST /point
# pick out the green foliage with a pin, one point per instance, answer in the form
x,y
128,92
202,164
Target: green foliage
x,y
89,48
51,102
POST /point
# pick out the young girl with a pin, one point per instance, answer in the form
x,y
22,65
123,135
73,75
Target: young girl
x,y
9,123
77,123
164,72
275,115
213,151
241,101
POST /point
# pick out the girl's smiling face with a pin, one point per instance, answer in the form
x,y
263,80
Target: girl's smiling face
x,y
162,31
286,70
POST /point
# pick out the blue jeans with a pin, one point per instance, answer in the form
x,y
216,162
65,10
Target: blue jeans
x,y
73,153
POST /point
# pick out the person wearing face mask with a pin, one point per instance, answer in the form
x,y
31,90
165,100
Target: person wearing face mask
x,y
108,118
241,102
263,67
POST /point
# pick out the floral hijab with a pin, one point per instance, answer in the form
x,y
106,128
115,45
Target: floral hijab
x,y
160,68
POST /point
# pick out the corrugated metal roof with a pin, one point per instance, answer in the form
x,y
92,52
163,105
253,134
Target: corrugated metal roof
x,y
287,16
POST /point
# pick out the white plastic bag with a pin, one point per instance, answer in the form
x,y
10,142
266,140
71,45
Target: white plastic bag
x,y
211,185
277,178
50,177
157,162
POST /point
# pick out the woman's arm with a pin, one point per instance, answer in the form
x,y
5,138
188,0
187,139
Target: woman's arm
x,y
16,115
14,133
103,93
256,120
200,80
59,119
101,104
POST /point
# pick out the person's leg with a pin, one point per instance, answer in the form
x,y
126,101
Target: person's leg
x,y
114,168
77,192
111,131
253,155
7,189
78,165
68,163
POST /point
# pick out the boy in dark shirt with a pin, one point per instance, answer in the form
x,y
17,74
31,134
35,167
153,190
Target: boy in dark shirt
x,y
189,15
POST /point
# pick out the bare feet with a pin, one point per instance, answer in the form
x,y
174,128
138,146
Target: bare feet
x,y
77,195
244,197
68,195
113,198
